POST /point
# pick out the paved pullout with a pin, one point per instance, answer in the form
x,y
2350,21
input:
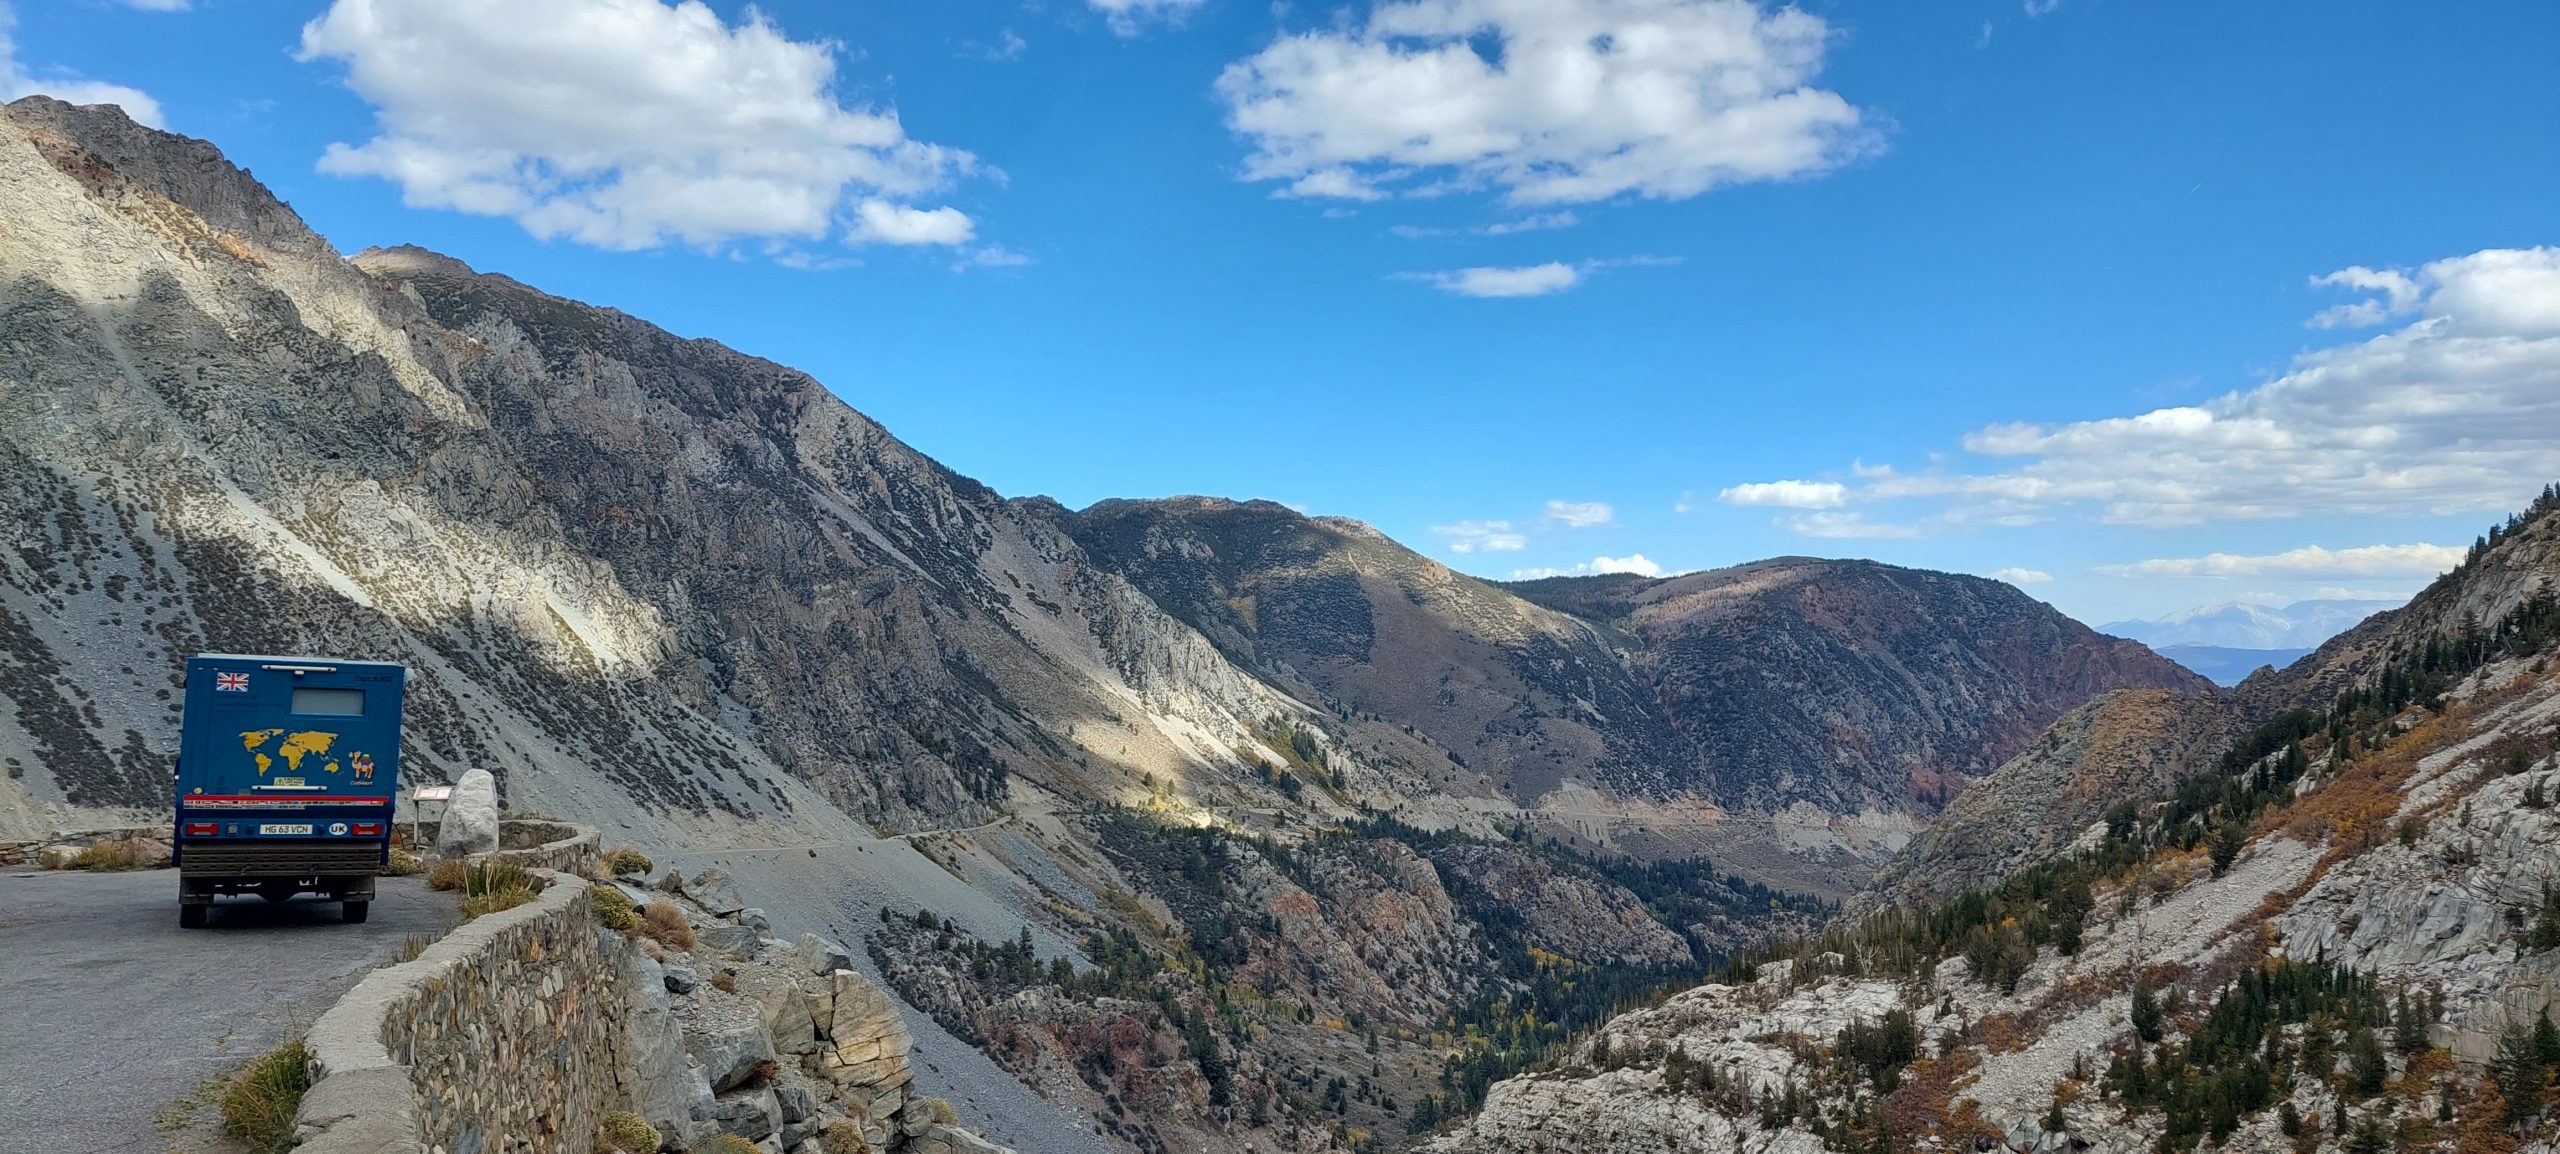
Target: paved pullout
x,y
109,1011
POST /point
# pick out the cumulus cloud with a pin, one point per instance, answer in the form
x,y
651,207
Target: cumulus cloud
x,y
1130,17
2310,563
2455,411
1579,514
1547,101
1787,494
2017,576
17,80
1489,536
626,124
2399,294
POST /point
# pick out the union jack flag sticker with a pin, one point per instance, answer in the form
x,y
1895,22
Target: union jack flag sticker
x,y
231,682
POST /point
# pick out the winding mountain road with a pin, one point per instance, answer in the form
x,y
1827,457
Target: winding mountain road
x,y
109,1012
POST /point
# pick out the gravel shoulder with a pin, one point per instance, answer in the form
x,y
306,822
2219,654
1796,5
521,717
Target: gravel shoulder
x,y
109,1012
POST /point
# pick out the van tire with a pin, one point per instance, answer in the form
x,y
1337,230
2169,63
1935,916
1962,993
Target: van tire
x,y
354,913
191,917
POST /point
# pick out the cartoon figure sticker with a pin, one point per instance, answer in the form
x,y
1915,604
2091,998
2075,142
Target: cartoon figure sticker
x,y
362,763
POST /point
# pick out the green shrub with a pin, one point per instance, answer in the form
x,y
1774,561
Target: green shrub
x,y
614,908
626,1133
725,1144
489,887
403,864
624,860
842,1138
258,1107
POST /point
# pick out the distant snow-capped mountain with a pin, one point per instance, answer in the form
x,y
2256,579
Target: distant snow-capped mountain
x,y
2241,625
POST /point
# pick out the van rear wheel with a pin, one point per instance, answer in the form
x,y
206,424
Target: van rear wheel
x,y
191,917
354,913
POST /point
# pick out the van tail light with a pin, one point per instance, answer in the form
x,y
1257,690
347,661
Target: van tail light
x,y
368,829
203,828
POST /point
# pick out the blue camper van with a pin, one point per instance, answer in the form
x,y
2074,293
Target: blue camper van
x,y
287,767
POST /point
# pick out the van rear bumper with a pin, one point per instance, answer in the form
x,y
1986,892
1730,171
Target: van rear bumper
x,y
343,869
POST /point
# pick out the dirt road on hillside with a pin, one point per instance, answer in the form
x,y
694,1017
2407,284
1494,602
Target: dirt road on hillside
x,y
109,1012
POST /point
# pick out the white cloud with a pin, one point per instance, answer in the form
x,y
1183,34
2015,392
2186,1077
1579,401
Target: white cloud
x,y
1847,525
1549,101
1534,222
1535,280
1687,502
1489,536
2456,411
1787,494
1129,17
2017,576
16,81
880,222
2037,8
619,123
1636,563
991,256
2399,292
1579,514
2310,563
159,5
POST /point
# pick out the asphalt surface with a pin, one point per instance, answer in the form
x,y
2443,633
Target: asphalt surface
x,y
109,1012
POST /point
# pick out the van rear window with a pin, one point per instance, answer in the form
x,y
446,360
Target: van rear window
x,y
328,702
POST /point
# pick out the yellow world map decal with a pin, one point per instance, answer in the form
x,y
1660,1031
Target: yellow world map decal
x,y
292,748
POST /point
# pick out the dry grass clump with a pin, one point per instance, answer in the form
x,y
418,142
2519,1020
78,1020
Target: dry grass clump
x,y
726,981
664,922
116,855
842,1138
448,873
624,1132
403,864
411,946
725,1144
624,861
493,886
258,1107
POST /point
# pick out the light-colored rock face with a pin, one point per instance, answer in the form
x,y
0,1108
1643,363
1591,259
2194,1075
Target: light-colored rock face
x,y
2423,864
470,823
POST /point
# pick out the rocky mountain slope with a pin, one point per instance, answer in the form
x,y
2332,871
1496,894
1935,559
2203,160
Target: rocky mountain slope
x,y
2339,934
1844,700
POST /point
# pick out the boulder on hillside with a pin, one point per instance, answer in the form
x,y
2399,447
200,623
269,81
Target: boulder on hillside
x,y
470,817
731,1046
824,955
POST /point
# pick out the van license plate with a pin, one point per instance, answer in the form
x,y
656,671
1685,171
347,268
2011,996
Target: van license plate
x,y
273,828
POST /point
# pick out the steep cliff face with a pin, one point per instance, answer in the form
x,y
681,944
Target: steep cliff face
x,y
628,570
1850,684
2130,744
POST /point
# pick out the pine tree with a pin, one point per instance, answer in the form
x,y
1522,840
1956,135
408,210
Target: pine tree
x,y
2146,1009
2365,1062
2519,1074
2408,1027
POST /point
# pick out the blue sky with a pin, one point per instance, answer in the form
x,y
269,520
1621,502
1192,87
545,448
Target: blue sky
x,y
1531,285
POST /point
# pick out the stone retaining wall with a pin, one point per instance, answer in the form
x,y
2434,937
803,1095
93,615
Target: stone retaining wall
x,y
505,1037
